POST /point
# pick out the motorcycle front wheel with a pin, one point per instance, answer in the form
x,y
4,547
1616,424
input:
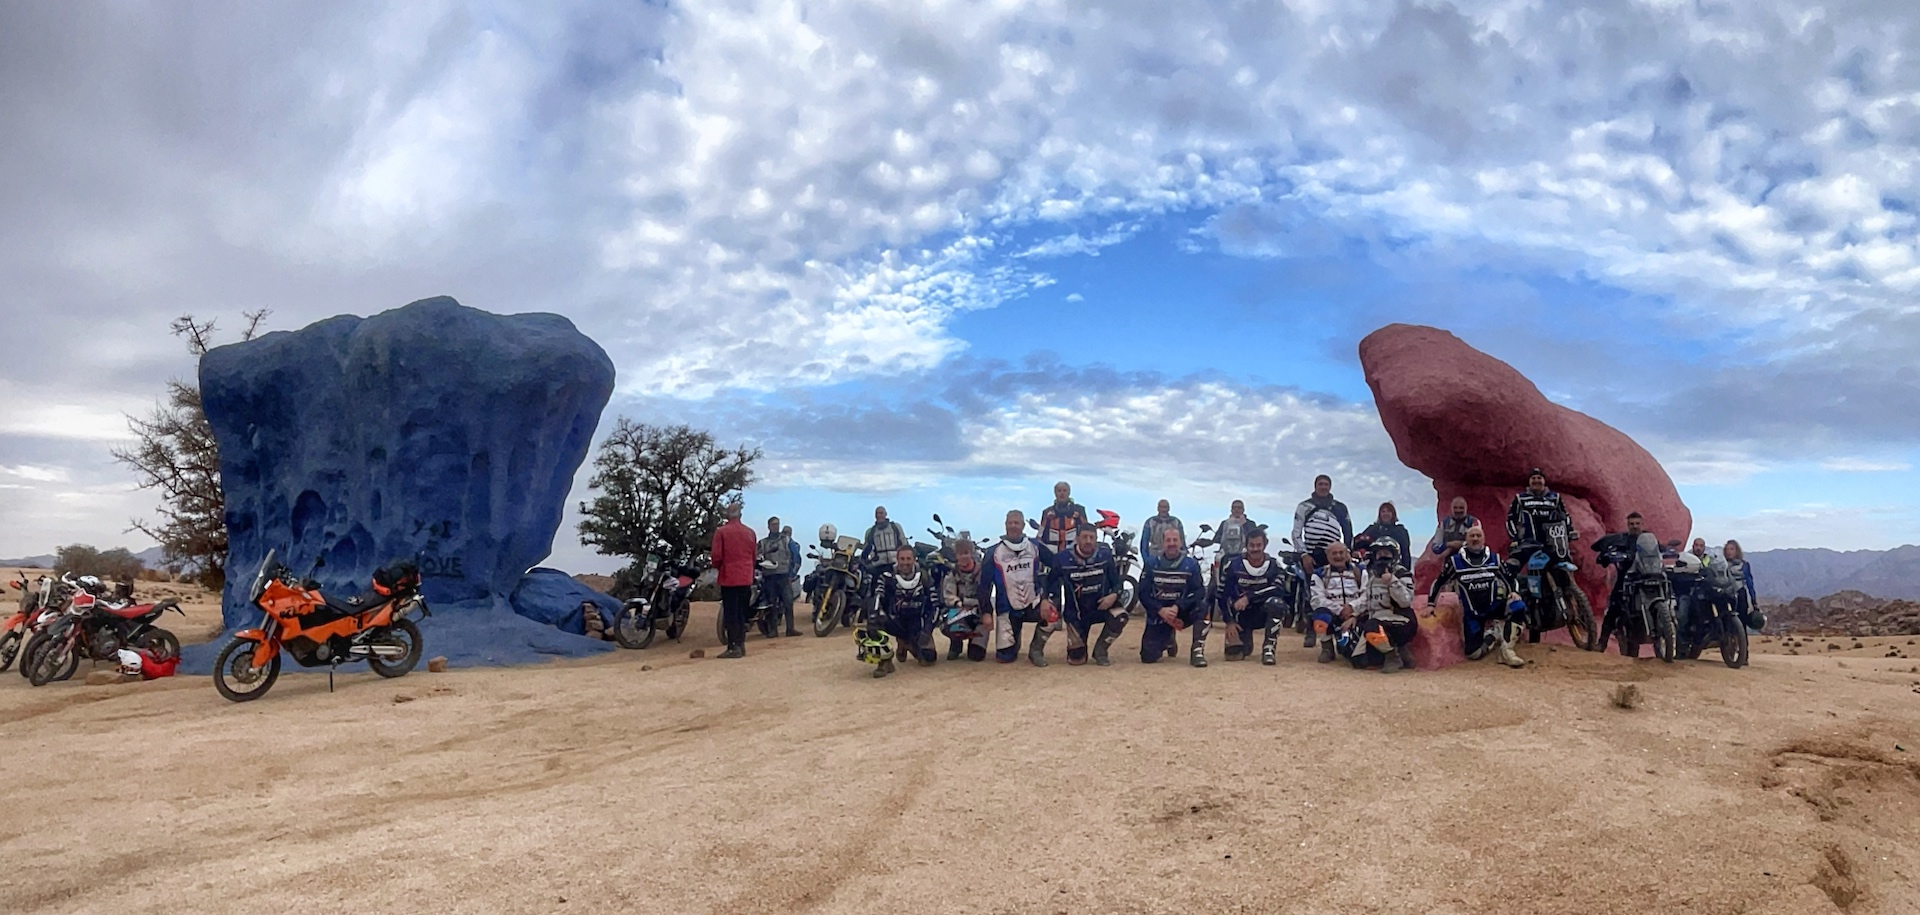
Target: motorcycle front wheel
x,y
401,632
1666,635
633,628
235,677
1733,640
46,660
1579,617
9,648
826,612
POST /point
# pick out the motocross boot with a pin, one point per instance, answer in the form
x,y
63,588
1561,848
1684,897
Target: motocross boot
x,y
1268,644
885,667
1198,655
1037,649
1100,647
953,649
1405,656
1326,651
1507,655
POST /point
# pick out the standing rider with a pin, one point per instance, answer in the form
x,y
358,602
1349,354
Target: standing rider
x,y
1486,621
1013,593
877,548
1231,538
733,554
1172,594
1156,526
1387,526
906,610
1338,588
1059,521
777,548
1531,515
1085,585
960,591
1452,533
1320,521
1254,594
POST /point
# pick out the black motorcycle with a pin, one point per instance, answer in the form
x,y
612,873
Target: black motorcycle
x,y
663,607
1642,609
1715,621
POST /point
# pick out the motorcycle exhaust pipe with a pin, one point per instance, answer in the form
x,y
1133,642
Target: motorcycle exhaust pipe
x,y
383,650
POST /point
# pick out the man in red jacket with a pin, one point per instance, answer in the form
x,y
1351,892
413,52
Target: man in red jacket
x,y
734,552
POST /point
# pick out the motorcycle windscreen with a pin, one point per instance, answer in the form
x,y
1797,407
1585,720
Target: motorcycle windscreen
x,y
1646,559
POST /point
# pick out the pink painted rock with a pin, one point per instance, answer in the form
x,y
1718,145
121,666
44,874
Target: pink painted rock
x,y
1438,642
1476,426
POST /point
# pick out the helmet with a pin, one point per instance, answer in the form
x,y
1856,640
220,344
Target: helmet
x,y
875,645
90,583
959,622
828,534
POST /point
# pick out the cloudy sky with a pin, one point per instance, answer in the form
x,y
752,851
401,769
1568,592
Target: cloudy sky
x,y
939,254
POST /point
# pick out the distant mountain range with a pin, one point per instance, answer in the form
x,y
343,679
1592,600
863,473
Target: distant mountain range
x,y
1786,574
150,557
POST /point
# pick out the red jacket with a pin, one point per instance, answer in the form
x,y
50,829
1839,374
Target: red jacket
x,y
734,551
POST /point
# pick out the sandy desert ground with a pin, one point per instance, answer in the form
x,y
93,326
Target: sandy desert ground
x,y
792,782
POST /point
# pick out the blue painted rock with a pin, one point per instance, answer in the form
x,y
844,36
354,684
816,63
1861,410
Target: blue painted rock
x,y
433,431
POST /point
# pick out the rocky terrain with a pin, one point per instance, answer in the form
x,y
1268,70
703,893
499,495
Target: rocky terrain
x,y
1848,612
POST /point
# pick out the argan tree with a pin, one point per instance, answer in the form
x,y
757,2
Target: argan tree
x,y
174,452
658,485
113,565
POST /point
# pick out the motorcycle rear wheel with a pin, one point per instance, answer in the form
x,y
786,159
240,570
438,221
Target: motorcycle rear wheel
x,y
1733,640
9,648
405,632
826,612
236,661
160,643
633,628
46,661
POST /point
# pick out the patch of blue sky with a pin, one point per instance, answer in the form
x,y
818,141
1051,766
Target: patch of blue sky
x,y
1176,298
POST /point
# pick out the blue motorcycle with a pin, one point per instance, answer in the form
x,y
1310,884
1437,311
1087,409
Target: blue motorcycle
x,y
1552,598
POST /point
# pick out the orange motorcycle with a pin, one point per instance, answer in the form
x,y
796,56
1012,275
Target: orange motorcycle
x,y
38,599
318,629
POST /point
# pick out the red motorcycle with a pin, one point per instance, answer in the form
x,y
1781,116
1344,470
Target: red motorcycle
x,y
39,600
95,627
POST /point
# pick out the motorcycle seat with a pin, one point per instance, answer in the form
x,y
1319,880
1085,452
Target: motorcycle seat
x,y
359,603
127,611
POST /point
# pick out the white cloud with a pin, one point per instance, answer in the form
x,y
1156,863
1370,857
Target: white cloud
x,y
35,473
1863,465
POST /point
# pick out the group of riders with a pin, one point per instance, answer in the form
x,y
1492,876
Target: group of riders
x,y
1351,595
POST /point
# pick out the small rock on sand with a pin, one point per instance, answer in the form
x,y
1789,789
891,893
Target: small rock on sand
x,y
437,666
697,653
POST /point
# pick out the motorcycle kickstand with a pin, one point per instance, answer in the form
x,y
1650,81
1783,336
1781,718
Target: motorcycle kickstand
x,y
330,669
